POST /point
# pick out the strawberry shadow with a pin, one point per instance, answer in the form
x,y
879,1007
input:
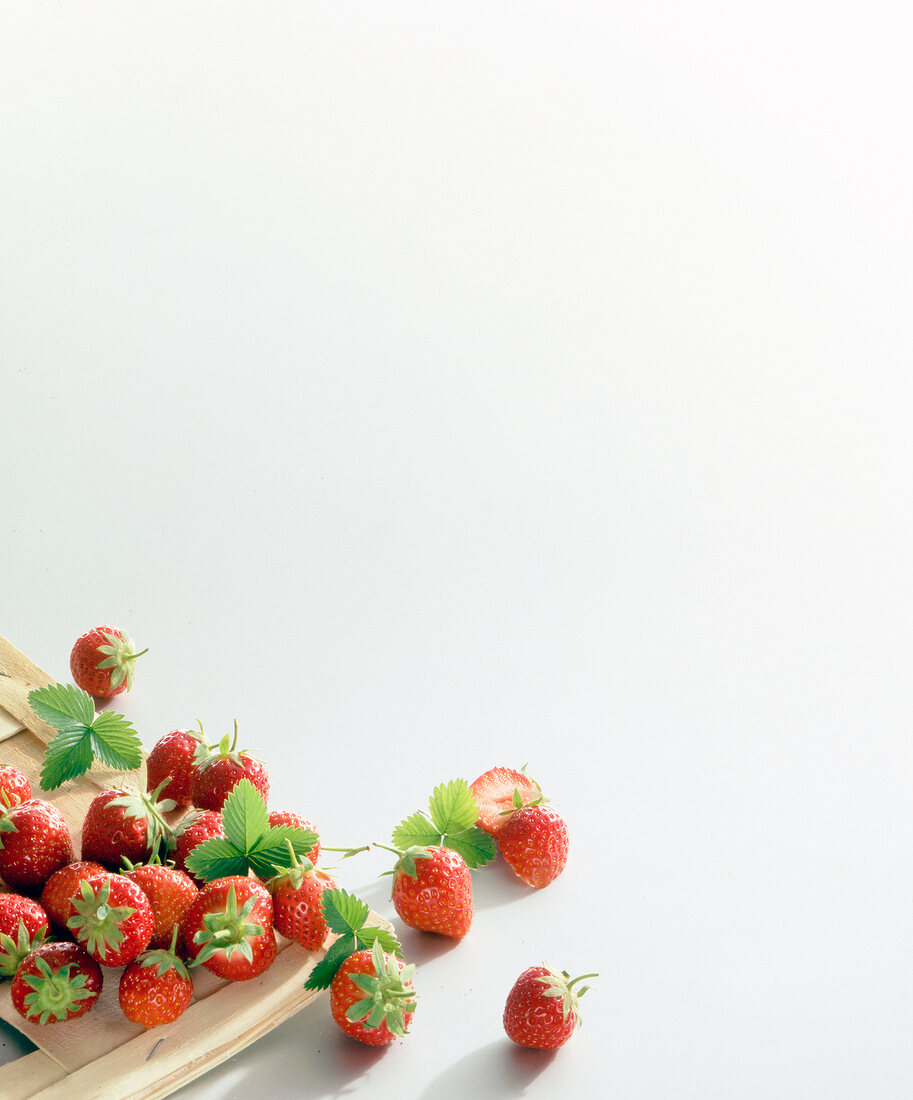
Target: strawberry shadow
x,y
500,1069
496,884
424,947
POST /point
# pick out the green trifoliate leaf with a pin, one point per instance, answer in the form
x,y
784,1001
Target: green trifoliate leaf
x,y
453,807
82,736
342,911
244,816
416,832
475,846
68,756
371,934
216,858
321,977
250,842
62,706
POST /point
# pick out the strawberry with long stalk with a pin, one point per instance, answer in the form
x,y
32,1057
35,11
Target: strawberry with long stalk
x,y
432,886
296,889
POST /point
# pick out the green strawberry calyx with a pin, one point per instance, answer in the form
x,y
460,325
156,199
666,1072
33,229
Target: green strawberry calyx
x,y
159,834
405,861
96,923
227,749
13,951
518,803
561,984
119,656
388,994
228,930
165,958
54,994
293,871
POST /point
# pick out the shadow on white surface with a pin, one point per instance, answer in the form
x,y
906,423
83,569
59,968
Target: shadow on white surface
x,y
500,1069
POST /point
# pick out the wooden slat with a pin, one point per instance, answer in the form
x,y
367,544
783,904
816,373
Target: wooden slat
x,y
18,676
22,1079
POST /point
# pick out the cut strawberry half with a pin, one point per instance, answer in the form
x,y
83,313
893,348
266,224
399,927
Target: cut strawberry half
x,y
499,792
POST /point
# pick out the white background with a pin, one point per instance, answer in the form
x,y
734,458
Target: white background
x,y
438,385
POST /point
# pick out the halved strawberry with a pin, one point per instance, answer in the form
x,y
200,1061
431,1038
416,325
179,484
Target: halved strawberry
x,y
499,791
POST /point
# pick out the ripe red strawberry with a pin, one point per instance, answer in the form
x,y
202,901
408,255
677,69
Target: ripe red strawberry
x,y
124,825
171,763
101,661
372,997
34,842
112,919
14,787
497,792
170,893
534,842
229,928
432,890
296,892
23,927
219,769
61,886
193,830
542,1008
57,981
156,988
287,817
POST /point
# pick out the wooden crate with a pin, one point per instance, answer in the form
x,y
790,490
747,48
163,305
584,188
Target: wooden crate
x,y
103,1056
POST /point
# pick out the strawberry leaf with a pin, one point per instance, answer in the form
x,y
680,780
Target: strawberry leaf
x,y
62,706
453,807
416,832
387,940
216,858
244,815
321,977
475,846
342,911
82,737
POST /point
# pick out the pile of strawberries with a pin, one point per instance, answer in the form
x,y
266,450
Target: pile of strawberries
x,y
195,871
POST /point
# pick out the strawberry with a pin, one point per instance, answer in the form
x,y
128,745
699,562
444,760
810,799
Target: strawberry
x,y
61,886
496,792
219,769
34,842
193,830
14,787
372,998
57,981
155,988
432,890
170,766
101,661
296,821
23,927
229,928
112,919
542,1008
124,825
170,892
534,842
296,891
